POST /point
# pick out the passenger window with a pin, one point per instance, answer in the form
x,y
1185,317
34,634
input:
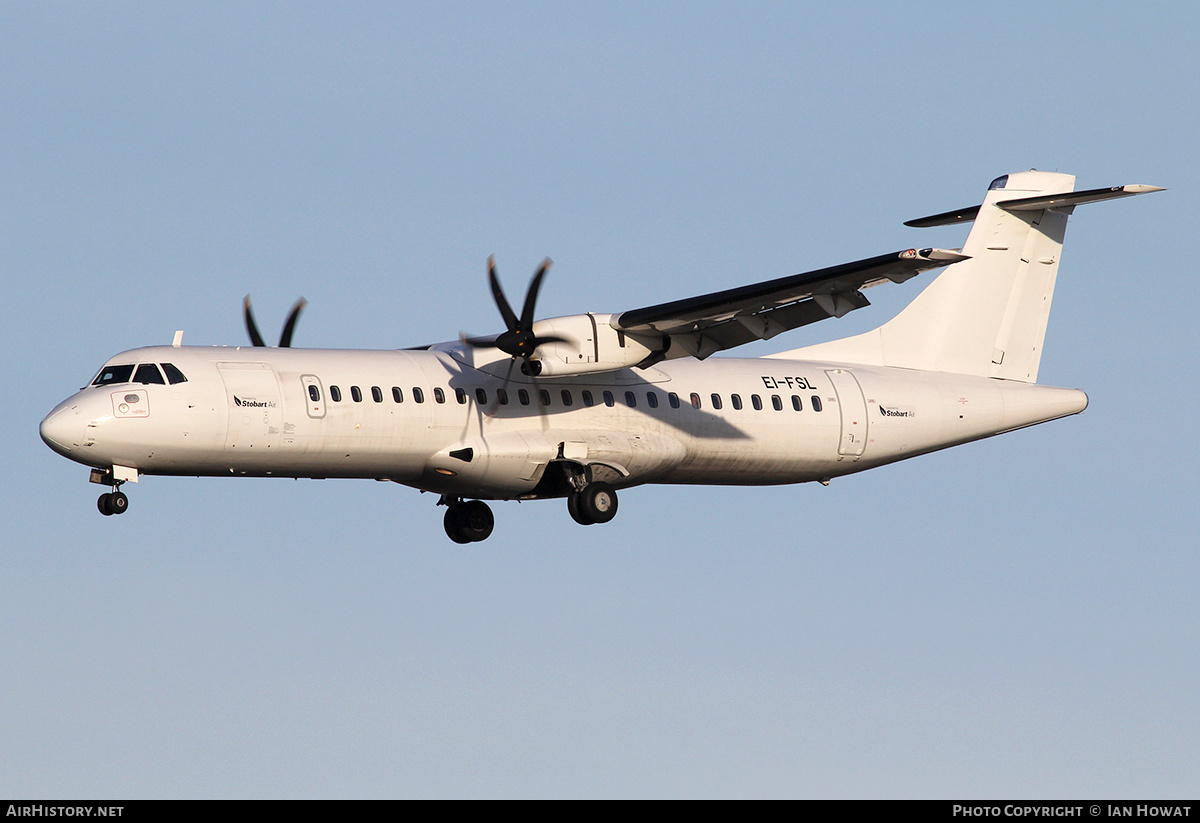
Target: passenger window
x,y
439,396
756,402
630,400
418,395
174,375
736,400
335,394
148,373
609,400
566,397
397,395
776,402
673,399
314,394
652,400
716,401
502,396
356,393
523,397
113,374
545,396
796,402
816,403
695,400
460,394
481,396
377,394
588,400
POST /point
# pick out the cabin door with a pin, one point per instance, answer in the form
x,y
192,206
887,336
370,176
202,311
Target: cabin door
x,y
852,406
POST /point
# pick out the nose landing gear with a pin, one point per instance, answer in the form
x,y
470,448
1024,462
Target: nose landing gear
x,y
113,502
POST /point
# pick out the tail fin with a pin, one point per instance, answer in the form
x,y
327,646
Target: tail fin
x,y
985,316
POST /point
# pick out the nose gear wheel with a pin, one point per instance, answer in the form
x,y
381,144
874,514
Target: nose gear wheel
x,y
113,502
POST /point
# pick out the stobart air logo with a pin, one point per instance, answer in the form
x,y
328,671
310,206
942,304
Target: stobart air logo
x,y
251,403
895,411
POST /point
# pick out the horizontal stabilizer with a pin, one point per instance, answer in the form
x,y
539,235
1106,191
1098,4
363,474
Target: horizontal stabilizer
x,y
946,218
1042,201
1074,198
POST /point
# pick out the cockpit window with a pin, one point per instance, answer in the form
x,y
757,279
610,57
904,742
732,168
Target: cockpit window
x,y
113,374
999,183
148,373
174,375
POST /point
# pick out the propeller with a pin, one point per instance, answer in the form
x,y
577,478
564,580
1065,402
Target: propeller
x,y
285,339
518,340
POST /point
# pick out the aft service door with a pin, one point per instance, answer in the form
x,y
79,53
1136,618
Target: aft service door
x,y
852,406
255,415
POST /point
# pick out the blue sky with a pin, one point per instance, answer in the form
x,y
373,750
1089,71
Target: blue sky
x,y
1016,617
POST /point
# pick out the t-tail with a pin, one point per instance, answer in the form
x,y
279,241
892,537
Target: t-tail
x,y
984,316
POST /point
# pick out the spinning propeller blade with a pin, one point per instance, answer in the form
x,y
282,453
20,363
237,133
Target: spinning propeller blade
x,y
285,339
518,340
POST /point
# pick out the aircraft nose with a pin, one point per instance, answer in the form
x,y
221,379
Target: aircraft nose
x,y
62,427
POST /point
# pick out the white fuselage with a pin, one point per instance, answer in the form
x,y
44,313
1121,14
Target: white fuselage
x,y
433,420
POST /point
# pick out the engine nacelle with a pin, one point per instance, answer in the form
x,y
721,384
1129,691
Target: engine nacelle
x,y
589,344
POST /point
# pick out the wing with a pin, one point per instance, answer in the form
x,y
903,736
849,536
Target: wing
x,y
702,325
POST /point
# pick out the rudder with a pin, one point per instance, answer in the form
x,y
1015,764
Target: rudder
x,y
985,316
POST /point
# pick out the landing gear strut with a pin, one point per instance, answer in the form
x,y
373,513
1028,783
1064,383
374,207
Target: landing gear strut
x,y
467,522
594,503
113,502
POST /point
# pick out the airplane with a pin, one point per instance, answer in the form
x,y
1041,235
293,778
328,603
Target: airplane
x,y
583,406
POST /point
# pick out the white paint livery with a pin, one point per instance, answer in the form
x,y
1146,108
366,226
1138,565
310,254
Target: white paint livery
x,y
621,400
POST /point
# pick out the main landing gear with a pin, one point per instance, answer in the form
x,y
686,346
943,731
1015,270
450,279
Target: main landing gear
x,y
469,521
594,503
